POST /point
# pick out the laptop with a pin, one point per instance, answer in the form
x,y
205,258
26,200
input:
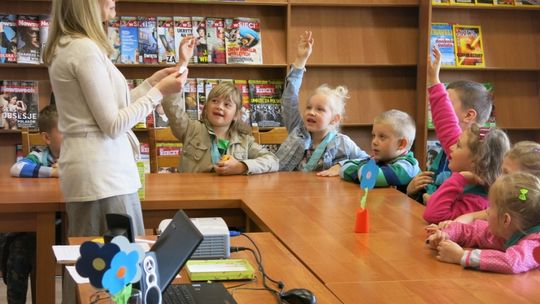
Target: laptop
x,y
172,249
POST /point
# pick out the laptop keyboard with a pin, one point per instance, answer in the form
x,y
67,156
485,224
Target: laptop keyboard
x,y
178,294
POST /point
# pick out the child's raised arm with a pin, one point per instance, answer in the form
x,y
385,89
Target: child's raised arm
x,y
434,68
305,47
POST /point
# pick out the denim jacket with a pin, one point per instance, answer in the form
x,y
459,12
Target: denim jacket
x,y
292,151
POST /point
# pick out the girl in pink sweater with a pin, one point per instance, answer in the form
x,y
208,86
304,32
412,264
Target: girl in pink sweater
x,y
507,240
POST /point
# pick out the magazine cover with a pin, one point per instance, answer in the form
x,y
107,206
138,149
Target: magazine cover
x,y
443,38
8,38
129,38
265,99
28,48
148,49
165,31
216,43
20,106
433,148
201,96
113,34
243,86
469,46
43,34
190,98
243,41
199,32
182,28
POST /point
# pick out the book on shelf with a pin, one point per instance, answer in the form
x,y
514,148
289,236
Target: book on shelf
x,y
242,85
443,38
485,2
215,40
469,46
265,100
43,34
169,148
19,103
243,40
148,48
28,47
8,38
166,44
433,148
191,100
144,156
129,40
201,45
182,28
113,35
201,96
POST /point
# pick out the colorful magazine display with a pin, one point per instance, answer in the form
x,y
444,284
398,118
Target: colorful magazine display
x,y
215,41
469,46
148,48
113,34
191,100
165,32
8,38
265,99
182,28
201,46
28,47
243,40
443,38
129,39
19,104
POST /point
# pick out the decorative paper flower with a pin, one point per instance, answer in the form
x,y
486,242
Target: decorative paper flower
x,y
95,260
128,247
124,267
368,174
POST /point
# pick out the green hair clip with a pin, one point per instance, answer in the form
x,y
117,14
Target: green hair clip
x,y
523,194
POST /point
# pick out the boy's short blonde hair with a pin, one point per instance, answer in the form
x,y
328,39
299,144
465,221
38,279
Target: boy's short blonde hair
x,y
402,124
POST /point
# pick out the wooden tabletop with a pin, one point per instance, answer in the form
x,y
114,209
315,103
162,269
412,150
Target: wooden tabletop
x,y
278,263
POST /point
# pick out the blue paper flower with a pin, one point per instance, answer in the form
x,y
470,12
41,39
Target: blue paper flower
x,y
368,175
95,260
126,246
124,267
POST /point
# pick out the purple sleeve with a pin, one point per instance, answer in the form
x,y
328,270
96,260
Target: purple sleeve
x,y
444,117
449,202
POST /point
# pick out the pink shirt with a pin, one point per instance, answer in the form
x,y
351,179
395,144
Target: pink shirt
x,y
492,254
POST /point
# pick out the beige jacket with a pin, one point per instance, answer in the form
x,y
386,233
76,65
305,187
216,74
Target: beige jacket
x,y
196,137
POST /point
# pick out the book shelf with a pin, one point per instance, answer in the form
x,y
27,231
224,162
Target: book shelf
x,y
374,47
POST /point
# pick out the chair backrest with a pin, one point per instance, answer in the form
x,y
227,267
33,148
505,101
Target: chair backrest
x,y
161,135
274,136
30,140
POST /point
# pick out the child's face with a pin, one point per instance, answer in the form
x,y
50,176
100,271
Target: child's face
x,y
460,155
461,113
493,220
220,112
385,144
318,115
108,9
53,139
510,165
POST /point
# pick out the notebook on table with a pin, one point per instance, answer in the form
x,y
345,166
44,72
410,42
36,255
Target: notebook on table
x,y
172,250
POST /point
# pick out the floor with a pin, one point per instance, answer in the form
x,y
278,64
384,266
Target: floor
x,y
29,296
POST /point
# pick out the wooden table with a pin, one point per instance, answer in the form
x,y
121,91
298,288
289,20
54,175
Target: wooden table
x,y
313,217
278,262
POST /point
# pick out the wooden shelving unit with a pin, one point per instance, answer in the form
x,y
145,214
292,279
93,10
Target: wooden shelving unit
x,y
374,47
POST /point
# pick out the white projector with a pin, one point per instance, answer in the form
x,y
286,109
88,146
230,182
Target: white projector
x,y
216,243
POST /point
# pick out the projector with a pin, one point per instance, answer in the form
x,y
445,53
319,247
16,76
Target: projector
x,y
215,245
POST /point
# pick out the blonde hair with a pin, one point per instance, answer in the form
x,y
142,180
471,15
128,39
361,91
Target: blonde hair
x,y
402,124
488,151
336,100
507,193
76,18
227,90
527,155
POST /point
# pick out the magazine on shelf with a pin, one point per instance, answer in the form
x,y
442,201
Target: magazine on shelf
x,y
243,40
148,48
182,28
43,34
190,99
443,38
129,39
28,47
166,44
113,34
19,100
265,99
242,84
201,96
215,40
8,38
201,45
433,148
469,46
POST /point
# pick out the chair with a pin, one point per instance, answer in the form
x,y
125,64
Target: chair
x,y
274,136
161,135
29,140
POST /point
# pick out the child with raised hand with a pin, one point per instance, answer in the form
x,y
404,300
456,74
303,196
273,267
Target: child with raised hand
x,y
523,157
506,241
454,109
314,142
42,163
220,142
476,161
392,137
